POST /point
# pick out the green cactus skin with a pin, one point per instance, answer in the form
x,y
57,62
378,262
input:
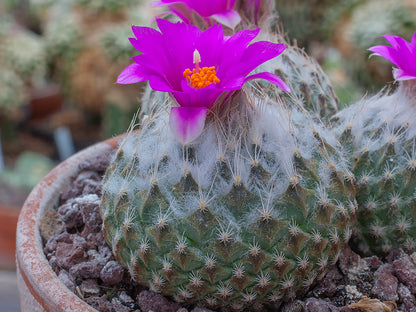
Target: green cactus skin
x,y
380,133
248,215
307,81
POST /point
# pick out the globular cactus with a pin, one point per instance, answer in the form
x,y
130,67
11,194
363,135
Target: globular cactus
x,y
24,53
386,17
12,91
63,37
114,43
249,214
380,134
106,5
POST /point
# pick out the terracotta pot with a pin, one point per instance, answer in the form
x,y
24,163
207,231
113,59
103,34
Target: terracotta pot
x,y
8,222
39,287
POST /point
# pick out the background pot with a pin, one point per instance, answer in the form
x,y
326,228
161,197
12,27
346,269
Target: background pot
x,y
39,287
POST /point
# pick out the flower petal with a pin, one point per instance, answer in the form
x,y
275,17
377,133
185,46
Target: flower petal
x,y
187,123
229,18
205,97
400,74
133,73
386,52
255,55
272,78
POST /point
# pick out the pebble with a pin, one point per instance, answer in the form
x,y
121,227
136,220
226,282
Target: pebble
x,y
318,305
351,264
51,224
405,270
149,301
197,309
118,306
385,284
89,269
70,215
406,297
100,303
90,287
373,262
69,255
67,280
112,273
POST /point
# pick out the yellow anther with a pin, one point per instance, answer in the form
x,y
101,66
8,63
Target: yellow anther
x,y
200,78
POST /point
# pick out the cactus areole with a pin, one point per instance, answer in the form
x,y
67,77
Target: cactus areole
x,y
232,197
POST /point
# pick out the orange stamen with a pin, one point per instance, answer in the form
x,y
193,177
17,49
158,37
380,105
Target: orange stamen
x,y
199,77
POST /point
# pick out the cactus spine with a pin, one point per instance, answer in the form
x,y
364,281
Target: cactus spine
x,y
380,135
249,214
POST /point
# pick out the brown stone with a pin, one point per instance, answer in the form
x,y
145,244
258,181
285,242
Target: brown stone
x,y
89,269
351,263
373,262
385,284
405,270
406,297
318,305
112,273
51,224
149,301
68,255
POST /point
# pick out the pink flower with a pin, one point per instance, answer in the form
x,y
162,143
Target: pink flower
x,y
197,67
402,54
211,11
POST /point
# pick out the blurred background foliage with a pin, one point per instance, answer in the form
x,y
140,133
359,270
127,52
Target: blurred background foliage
x,y
59,60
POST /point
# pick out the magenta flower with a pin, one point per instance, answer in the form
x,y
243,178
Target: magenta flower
x,y
402,54
197,67
211,11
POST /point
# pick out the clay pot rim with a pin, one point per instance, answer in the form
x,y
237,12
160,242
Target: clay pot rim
x,y
38,276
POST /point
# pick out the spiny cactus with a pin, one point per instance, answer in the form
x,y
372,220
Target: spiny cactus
x,y
380,133
63,36
24,53
307,81
372,19
12,91
115,44
251,213
106,5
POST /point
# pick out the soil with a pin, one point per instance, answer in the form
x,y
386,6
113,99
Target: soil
x,y
78,253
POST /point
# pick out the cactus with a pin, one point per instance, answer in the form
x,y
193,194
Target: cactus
x,y
380,135
114,42
63,37
12,91
251,213
307,81
106,5
25,54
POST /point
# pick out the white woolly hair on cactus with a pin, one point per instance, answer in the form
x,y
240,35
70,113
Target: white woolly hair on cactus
x,y
262,175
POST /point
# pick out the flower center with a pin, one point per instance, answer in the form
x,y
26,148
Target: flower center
x,y
199,77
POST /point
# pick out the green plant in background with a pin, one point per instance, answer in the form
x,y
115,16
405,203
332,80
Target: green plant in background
x,y
114,43
343,30
24,53
30,168
63,40
107,5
